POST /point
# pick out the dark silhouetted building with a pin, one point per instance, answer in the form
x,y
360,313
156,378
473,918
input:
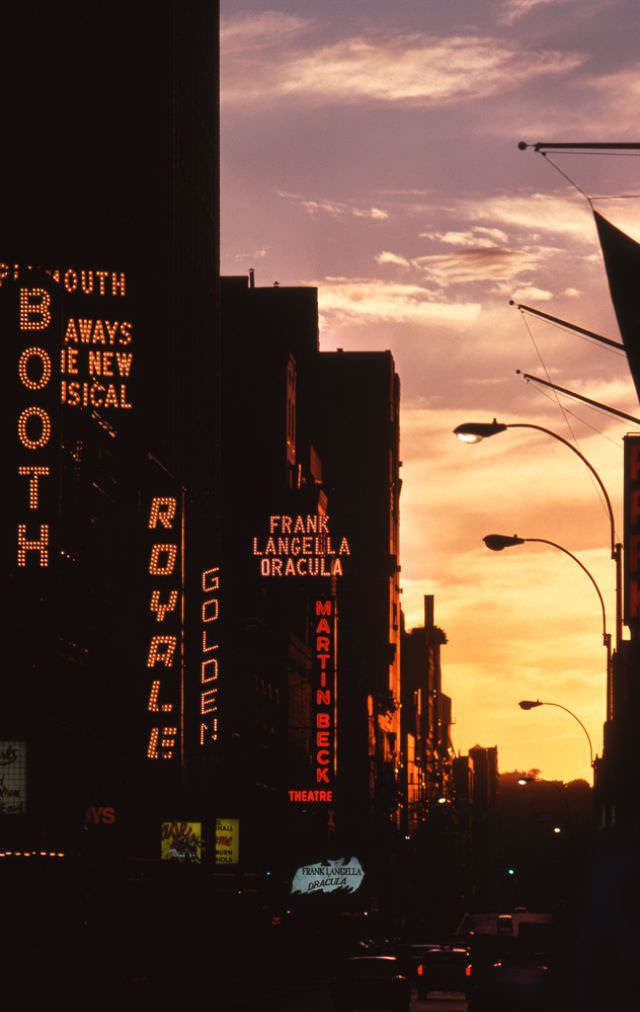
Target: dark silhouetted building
x,y
357,429
426,719
108,275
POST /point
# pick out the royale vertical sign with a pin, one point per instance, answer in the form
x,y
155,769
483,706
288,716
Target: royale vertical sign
x,y
632,533
164,520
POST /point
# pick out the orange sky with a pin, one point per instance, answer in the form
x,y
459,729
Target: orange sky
x,y
370,149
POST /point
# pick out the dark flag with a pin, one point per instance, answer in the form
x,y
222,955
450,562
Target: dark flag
x,y
622,261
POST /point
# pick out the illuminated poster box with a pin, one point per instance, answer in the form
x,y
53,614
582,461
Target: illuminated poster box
x,y
13,777
328,876
227,841
181,841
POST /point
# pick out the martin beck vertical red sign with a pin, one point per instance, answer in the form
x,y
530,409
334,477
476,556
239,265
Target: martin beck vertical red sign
x,y
323,728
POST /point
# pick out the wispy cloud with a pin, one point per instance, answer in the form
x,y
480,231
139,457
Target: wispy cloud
x,y
386,257
478,236
258,254
363,300
477,265
334,208
513,10
540,214
372,212
416,69
253,33
532,294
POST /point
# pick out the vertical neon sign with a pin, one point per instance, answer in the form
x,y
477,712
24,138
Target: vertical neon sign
x,y
324,689
323,709
35,320
165,615
209,710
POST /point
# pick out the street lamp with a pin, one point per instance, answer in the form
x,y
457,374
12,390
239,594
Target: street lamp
x,y
474,432
523,781
530,704
498,542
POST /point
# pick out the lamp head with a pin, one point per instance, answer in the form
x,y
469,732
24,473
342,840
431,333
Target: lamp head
x,y
474,432
496,542
529,704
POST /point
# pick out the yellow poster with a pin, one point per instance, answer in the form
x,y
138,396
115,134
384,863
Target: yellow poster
x,y
181,841
227,841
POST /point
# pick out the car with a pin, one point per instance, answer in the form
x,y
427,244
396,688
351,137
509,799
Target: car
x,y
411,955
516,984
443,968
371,982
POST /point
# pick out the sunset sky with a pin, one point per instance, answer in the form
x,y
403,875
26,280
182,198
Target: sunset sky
x,y
369,148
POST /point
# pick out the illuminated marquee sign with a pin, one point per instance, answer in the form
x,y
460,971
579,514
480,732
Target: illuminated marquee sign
x,y
73,280
300,546
164,654
632,532
323,732
328,876
95,357
100,815
209,711
72,356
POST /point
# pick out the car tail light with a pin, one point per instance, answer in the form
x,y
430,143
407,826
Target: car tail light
x,y
467,969
420,969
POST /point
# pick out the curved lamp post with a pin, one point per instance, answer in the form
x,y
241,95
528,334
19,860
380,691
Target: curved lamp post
x,y
530,704
475,432
497,542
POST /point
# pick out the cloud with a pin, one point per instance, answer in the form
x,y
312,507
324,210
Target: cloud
x,y
334,208
418,69
414,69
538,213
531,293
258,254
477,265
365,300
513,10
599,104
477,236
252,33
373,212
392,258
